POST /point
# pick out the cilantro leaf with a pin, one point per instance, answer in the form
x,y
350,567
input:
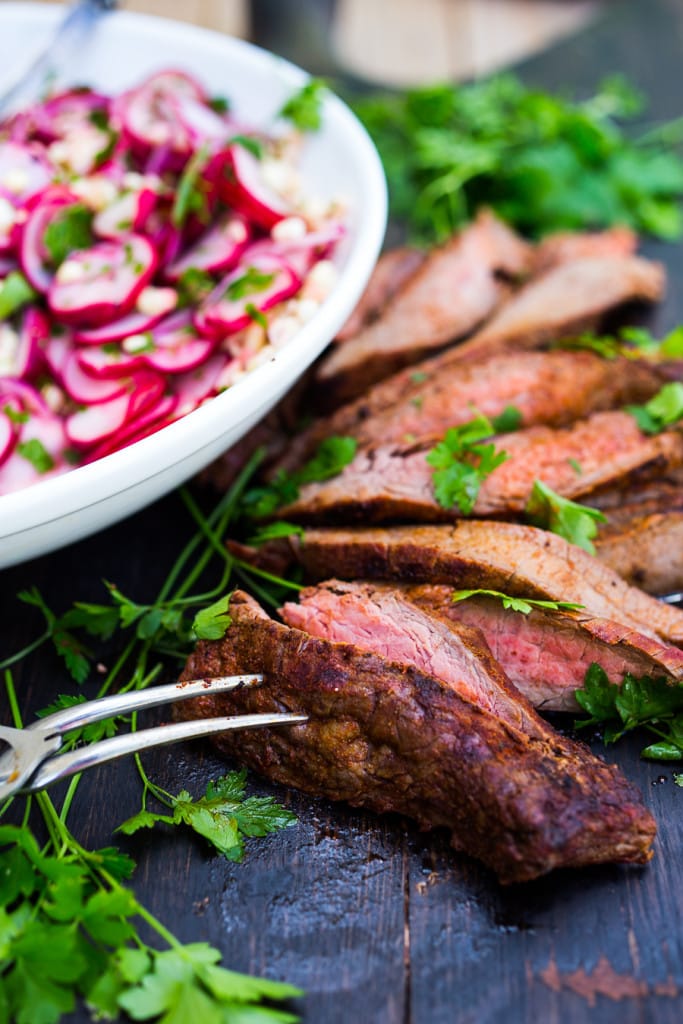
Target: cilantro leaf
x,y
252,280
15,292
272,531
525,605
509,420
663,410
461,464
576,523
193,286
35,452
304,107
69,231
332,454
212,623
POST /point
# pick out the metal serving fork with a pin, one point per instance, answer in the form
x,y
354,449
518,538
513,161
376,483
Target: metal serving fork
x,y
33,761
66,41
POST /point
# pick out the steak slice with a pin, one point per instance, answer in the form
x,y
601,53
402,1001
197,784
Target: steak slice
x,y
547,653
645,549
567,299
391,272
397,483
453,291
519,560
566,246
391,737
552,388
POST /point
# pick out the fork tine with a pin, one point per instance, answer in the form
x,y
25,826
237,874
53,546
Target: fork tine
x,y
122,703
62,765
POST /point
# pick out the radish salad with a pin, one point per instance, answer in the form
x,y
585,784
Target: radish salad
x,y
153,250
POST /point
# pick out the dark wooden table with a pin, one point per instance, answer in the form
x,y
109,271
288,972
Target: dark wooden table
x,y
376,921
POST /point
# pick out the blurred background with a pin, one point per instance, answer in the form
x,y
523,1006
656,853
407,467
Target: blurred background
x,y
394,42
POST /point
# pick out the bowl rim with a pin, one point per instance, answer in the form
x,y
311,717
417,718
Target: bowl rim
x,y
47,501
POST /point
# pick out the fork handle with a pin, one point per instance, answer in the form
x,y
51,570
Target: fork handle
x,y
62,765
69,33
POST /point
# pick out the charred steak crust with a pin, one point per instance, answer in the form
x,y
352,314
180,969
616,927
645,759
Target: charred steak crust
x,y
390,738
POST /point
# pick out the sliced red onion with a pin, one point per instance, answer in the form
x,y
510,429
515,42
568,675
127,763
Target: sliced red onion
x,y
220,314
217,250
97,285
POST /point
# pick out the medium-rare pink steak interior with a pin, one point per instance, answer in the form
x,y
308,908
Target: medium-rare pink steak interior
x,y
391,737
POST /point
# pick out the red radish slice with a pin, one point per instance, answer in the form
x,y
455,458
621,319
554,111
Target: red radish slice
x,y
33,256
217,250
24,171
97,285
18,471
128,213
200,121
96,422
225,309
192,388
149,422
33,334
193,352
8,430
7,266
109,363
27,396
148,114
57,350
132,323
87,390
244,188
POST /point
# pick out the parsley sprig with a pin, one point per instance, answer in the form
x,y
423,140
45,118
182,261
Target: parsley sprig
x,y
639,702
525,605
332,454
543,162
461,463
663,410
576,523
69,925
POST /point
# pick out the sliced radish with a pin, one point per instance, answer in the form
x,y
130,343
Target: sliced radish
x,y
18,471
28,397
96,422
57,349
128,213
153,419
199,120
148,114
132,323
192,388
110,363
24,171
33,333
33,256
8,428
95,286
245,189
88,390
261,284
217,250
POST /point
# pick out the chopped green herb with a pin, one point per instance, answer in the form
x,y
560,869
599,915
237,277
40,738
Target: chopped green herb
x,y
70,230
193,286
332,455
99,118
190,196
304,108
14,415
221,104
508,420
542,162
15,292
518,604
35,452
212,623
662,411
275,530
576,466
256,315
576,523
671,346
417,402
604,346
461,463
419,377
252,280
249,143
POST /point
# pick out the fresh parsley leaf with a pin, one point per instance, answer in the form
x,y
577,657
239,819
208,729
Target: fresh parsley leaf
x,y
461,463
543,162
604,346
223,816
15,416
333,453
35,452
252,280
509,420
248,142
221,104
69,231
274,530
75,655
15,292
663,410
576,523
304,108
212,623
193,286
525,605
256,315
671,346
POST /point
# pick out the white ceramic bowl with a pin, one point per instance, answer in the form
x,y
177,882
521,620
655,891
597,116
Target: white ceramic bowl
x,y
340,160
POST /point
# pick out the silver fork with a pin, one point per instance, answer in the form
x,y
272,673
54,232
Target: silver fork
x,y
69,35
34,762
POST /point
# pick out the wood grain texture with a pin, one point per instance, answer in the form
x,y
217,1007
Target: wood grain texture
x,y
379,923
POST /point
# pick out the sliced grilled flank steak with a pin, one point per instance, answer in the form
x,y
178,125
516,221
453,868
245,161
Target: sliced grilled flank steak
x,y
392,482
453,291
391,737
519,560
553,388
567,299
643,542
570,245
547,653
394,268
